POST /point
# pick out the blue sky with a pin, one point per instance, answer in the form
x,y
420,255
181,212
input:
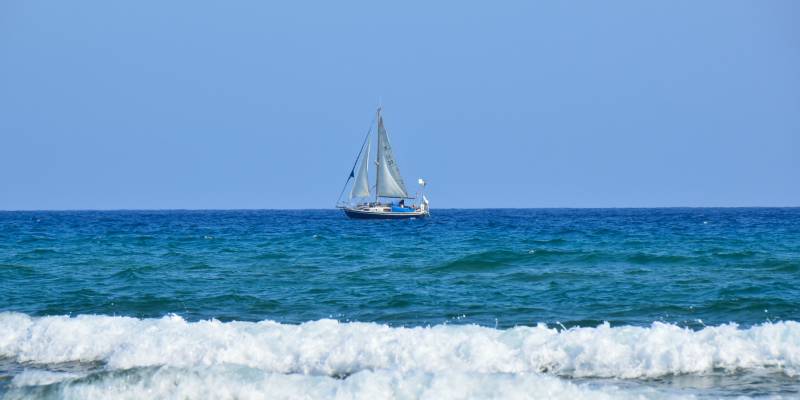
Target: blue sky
x,y
253,104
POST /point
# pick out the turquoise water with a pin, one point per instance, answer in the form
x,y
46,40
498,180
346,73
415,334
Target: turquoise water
x,y
616,302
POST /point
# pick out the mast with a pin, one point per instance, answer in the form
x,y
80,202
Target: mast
x,y
377,152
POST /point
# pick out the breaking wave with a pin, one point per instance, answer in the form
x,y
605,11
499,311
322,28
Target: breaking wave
x,y
334,349
236,382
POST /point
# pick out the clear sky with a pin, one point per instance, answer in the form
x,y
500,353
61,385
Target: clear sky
x,y
260,104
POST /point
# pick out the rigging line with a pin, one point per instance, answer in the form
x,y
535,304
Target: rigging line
x,y
353,170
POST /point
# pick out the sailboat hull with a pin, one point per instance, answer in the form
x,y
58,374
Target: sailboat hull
x,y
373,214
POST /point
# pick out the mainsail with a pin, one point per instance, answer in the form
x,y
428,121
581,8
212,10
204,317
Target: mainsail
x,y
361,184
389,181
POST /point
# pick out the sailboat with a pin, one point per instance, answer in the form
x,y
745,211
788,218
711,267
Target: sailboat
x,y
390,193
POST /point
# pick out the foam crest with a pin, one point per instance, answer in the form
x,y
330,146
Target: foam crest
x,y
35,377
227,382
328,347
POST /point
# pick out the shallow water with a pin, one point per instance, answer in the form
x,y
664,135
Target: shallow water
x,y
654,303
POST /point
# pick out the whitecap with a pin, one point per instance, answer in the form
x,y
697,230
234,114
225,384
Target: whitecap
x,y
233,382
332,348
32,377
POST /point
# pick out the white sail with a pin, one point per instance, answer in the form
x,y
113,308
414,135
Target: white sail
x,y
389,181
361,184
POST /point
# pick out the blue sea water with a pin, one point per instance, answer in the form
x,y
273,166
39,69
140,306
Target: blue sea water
x,y
534,303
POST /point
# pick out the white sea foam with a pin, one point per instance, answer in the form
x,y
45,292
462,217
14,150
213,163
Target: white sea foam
x,y
331,348
232,382
33,377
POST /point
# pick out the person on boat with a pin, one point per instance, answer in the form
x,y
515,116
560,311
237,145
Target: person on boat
x,y
402,203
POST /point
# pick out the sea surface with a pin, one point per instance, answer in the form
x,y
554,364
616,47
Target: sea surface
x,y
505,304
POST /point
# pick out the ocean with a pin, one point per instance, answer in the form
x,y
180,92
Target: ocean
x,y
496,303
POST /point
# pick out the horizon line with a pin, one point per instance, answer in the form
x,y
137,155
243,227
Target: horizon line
x,y
334,209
